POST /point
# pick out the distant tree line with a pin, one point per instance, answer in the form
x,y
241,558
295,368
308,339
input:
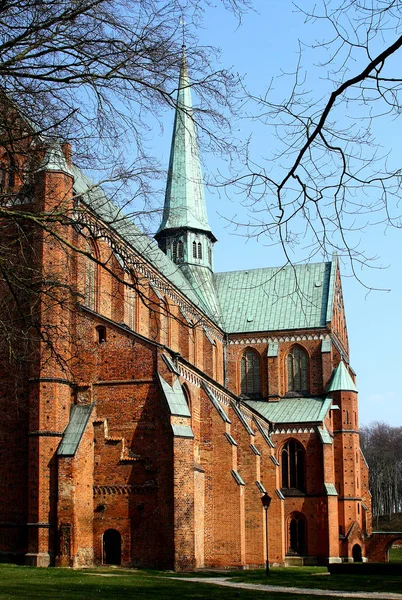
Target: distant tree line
x,y
382,448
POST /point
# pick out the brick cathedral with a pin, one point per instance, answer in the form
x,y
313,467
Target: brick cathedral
x,y
157,401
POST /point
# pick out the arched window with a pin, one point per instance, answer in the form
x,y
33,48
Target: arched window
x,y
164,323
187,396
210,255
250,373
174,250
194,250
180,250
293,465
91,272
297,534
297,368
199,250
130,304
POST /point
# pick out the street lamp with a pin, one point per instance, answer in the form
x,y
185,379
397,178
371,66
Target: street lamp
x,y
266,501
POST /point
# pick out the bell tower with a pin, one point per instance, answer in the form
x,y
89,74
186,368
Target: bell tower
x,y
184,234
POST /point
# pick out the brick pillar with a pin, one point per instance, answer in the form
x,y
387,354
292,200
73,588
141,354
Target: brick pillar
x,y
183,484
50,395
332,505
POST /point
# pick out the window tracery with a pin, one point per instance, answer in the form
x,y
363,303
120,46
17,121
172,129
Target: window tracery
x,y
250,384
293,465
297,370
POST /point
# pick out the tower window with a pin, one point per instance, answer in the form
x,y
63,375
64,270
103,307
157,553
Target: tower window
x,y
199,250
293,465
174,250
297,368
210,255
194,250
250,373
180,250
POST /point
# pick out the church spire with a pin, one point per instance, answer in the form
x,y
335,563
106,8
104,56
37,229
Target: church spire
x,y
185,206
185,235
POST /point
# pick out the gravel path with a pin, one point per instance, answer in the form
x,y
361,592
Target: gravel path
x,y
292,590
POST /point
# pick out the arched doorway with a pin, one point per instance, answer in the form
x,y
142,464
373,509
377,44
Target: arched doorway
x,y
111,547
357,553
297,535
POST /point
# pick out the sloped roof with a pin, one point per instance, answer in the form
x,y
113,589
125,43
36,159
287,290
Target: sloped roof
x,y
268,299
202,281
341,380
54,159
292,297
292,410
175,398
79,418
94,197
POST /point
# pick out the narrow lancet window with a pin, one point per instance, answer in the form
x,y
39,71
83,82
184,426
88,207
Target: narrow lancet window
x,y
297,368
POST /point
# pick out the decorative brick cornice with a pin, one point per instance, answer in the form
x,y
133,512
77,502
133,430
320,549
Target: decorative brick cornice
x,y
294,430
132,259
285,338
124,490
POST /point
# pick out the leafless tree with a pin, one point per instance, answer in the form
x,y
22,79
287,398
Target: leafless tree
x,y
382,447
98,74
329,179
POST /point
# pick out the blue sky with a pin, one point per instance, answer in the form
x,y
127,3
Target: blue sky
x,y
261,48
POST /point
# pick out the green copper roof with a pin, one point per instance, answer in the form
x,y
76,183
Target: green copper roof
x,y
324,434
54,159
184,201
95,198
292,297
79,418
292,410
175,398
341,380
203,284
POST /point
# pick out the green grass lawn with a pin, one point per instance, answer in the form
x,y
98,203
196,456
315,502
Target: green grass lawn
x,y
26,583
318,578
118,584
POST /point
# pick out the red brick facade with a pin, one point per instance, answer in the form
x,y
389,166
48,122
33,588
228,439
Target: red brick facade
x,y
136,489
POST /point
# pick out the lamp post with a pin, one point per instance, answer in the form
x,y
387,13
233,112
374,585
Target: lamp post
x,y
266,501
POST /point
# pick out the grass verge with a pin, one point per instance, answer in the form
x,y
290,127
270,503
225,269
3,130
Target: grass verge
x,y
319,578
118,584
